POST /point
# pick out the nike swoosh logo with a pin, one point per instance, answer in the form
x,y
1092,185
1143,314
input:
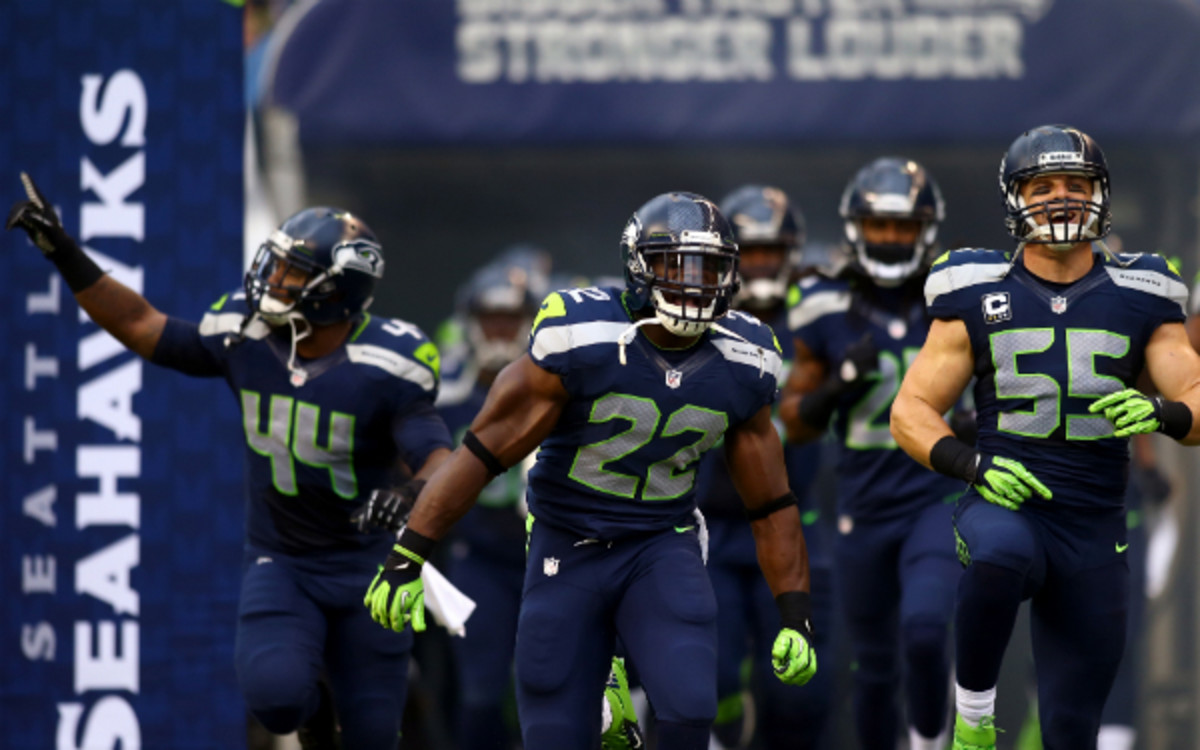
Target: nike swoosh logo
x,y
683,529
1121,547
401,566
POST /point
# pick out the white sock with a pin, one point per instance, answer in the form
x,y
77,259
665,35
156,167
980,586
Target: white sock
x,y
974,705
1116,737
917,741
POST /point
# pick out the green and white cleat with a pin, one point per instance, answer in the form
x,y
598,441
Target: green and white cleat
x,y
618,724
967,737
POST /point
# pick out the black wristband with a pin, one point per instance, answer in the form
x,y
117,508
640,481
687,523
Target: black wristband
x,y
795,611
784,501
419,545
76,267
1175,418
954,458
489,460
817,407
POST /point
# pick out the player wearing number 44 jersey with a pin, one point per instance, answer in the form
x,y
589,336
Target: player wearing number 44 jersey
x,y
1055,333
331,400
625,389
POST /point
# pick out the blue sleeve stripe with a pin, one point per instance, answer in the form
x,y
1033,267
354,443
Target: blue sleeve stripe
x,y
817,305
953,278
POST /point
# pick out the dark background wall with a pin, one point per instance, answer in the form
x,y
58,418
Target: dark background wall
x,y
442,212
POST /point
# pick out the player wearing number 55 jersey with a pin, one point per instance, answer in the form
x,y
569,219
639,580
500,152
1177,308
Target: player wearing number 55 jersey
x,y
1055,333
625,390
332,400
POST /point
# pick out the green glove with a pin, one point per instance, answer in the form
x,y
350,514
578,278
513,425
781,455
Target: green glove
x,y
397,595
1131,412
792,655
793,658
1006,482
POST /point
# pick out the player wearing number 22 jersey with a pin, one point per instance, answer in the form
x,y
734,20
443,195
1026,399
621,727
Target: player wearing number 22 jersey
x,y
624,390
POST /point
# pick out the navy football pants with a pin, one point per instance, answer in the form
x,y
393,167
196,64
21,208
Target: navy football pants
x,y
484,656
295,624
748,622
1072,564
579,596
896,582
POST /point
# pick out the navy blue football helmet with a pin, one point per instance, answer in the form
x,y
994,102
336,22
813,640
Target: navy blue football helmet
x,y
1055,149
892,188
498,305
321,265
681,258
763,217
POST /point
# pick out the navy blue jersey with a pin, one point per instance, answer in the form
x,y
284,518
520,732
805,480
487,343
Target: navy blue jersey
x,y
876,480
495,526
314,451
622,458
1044,352
715,493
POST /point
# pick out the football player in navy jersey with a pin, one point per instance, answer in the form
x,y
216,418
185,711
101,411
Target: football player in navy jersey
x,y
769,231
1055,334
333,402
624,390
894,551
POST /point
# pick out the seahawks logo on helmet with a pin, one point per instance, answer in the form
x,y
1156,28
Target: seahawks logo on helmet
x,y
359,255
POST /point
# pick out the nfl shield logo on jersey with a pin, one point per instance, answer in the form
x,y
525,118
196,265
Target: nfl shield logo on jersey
x,y
674,378
550,566
1058,305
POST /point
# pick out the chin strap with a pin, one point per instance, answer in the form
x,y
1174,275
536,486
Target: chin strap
x,y
1113,256
627,336
297,336
762,359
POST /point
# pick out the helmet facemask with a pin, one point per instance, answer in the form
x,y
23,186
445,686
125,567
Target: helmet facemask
x,y
691,286
891,264
1068,221
764,283
497,324
279,281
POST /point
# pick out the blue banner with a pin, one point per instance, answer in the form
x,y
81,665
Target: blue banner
x,y
122,512
710,71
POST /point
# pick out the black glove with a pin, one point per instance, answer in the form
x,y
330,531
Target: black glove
x,y
862,358
37,217
388,508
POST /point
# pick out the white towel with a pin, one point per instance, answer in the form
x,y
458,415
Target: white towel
x,y
449,606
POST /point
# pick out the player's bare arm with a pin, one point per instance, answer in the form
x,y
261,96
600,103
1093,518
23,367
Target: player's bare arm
x,y
124,313
932,385
521,409
808,372
756,465
1174,367
113,306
